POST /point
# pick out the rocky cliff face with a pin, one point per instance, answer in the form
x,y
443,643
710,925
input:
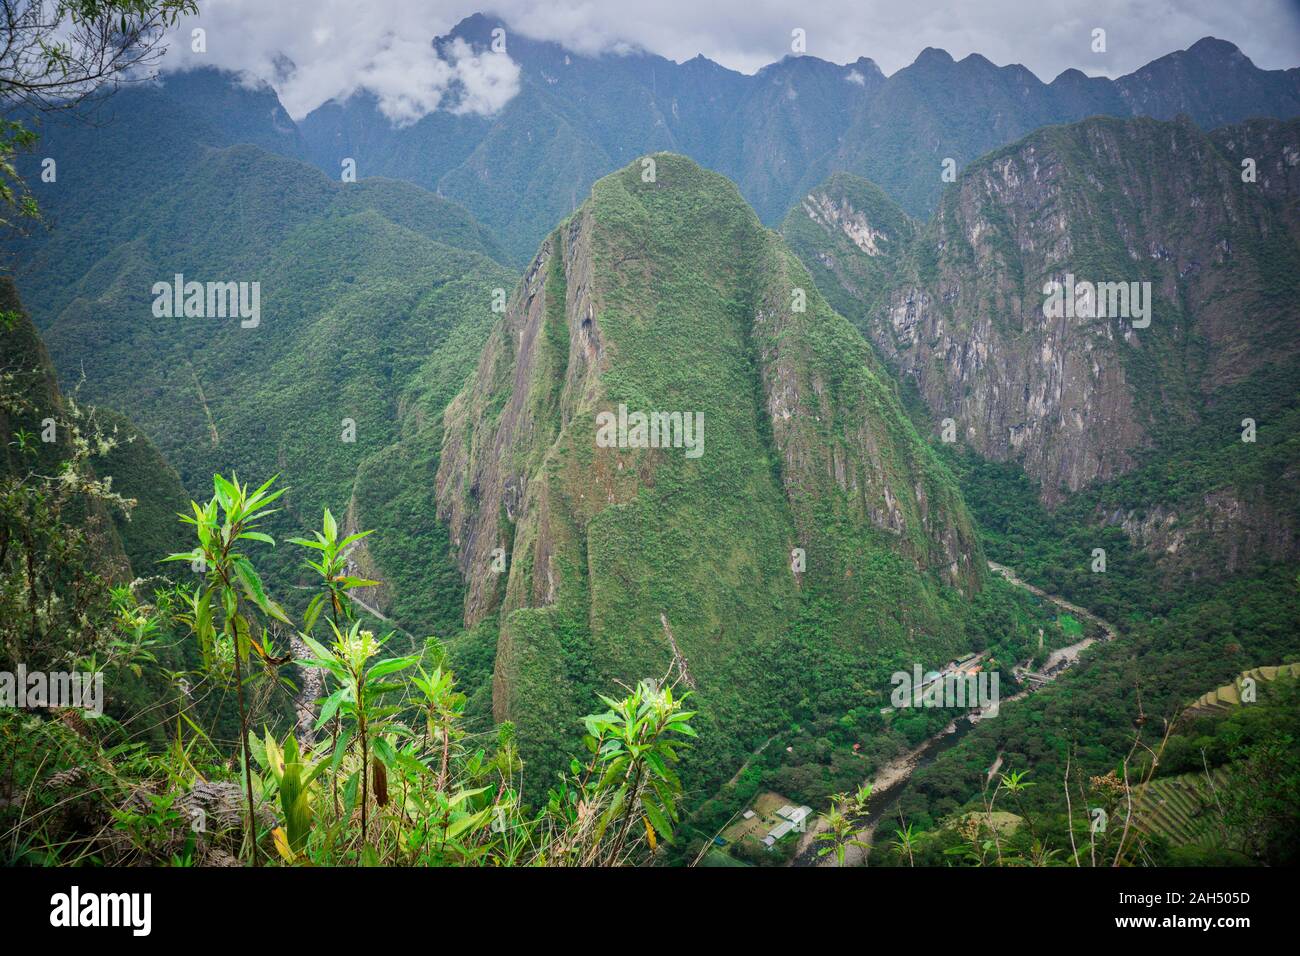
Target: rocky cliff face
x,y
498,430
1075,398
1223,532
854,241
667,296
1081,399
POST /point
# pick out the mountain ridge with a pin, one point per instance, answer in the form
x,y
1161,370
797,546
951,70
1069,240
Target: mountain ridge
x,y
1093,405
894,130
567,543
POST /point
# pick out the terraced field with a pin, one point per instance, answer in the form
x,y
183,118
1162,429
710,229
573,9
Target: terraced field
x,y
1182,809
1228,696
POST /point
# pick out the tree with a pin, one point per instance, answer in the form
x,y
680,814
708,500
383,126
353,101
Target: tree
x,y
1263,800
55,53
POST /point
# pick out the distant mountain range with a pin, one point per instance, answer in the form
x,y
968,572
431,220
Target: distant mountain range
x,y
776,134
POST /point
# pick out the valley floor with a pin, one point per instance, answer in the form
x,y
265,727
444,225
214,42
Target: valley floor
x,y
889,781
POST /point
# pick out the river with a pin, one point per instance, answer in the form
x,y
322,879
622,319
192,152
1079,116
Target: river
x,y
889,782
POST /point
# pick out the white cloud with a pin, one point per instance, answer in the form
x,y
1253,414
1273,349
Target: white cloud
x,y
1047,36
338,47
312,51
410,79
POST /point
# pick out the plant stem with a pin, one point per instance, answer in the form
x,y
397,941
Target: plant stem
x,y
243,744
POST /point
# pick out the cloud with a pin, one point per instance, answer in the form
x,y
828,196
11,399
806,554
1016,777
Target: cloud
x,y
315,50
1047,36
410,80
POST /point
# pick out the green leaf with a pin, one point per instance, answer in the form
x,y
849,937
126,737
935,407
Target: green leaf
x,y
248,577
183,556
657,819
329,707
340,748
313,611
463,795
393,664
350,539
225,492
356,582
465,823
241,636
350,793
304,543
316,647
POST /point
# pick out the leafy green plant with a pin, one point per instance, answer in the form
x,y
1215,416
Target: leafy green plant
x,y
842,823
628,783
331,566
409,784
232,584
359,697
293,777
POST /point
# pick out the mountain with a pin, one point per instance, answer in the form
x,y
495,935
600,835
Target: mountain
x,y
37,439
119,545
1082,402
239,112
578,117
776,134
668,296
373,301
1214,83
1073,435
939,108
854,240
122,160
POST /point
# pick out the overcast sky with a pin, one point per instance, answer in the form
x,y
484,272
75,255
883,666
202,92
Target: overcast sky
x,y
339,46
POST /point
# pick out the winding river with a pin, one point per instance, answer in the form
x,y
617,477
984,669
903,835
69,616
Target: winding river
x,y
889,782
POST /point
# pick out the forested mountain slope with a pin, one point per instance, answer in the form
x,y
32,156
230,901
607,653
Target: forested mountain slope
x,y
1156,410
373,300
669,296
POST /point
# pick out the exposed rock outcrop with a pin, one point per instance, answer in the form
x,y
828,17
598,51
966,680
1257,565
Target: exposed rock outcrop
x,y
1209,221
667,296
